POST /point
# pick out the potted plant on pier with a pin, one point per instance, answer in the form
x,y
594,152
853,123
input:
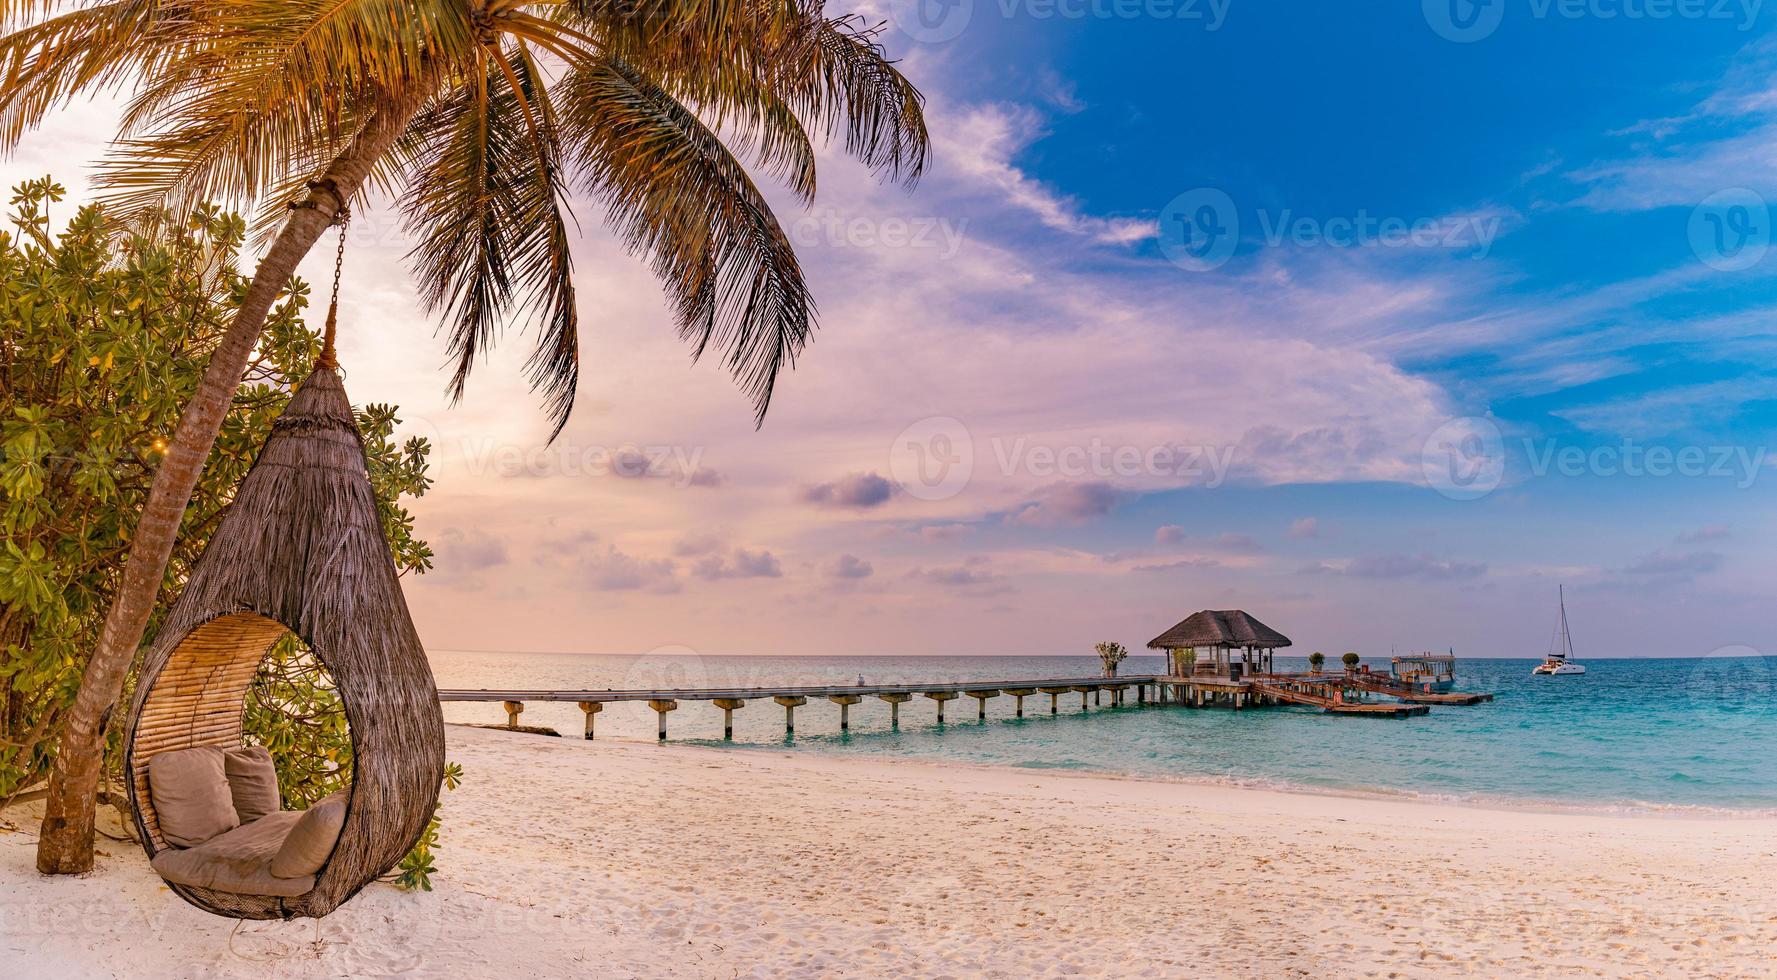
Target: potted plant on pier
x,y
1351,662
1112,654
1316,661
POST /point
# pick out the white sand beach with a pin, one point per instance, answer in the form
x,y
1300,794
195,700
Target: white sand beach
x,y
609,859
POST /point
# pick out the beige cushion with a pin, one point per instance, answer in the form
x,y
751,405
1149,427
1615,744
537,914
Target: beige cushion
x,y
252,782
189,790
238,861
311,841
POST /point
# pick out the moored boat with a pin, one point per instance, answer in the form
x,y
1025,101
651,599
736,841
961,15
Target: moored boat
x,y
1559,661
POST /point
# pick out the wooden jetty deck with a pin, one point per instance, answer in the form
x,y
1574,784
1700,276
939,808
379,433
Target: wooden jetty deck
x,y
1334,694
1289,693
1381,685
731,699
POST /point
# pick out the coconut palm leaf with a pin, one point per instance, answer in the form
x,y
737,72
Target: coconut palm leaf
x,y
485,204
676,194
43,66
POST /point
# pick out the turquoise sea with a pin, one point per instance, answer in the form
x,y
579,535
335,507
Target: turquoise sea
x,y
1653,735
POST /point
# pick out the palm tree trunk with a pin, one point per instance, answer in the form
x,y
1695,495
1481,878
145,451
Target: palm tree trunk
x,y
65,844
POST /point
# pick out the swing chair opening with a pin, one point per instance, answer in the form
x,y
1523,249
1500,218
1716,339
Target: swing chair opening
x,y
220,824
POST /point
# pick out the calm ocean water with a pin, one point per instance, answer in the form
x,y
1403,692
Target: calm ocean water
x,y
1630,734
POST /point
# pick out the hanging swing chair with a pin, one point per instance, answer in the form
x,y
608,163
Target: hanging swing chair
x,y
300,550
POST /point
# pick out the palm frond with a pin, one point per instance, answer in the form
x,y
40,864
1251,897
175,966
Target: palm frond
x,y
848,82
676,194
44,65
273,93
485,204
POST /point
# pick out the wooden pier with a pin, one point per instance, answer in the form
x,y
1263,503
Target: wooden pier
x,y
1334,694
1376,684
665,700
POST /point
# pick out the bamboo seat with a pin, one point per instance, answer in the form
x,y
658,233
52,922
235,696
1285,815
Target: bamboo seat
x,y
300,550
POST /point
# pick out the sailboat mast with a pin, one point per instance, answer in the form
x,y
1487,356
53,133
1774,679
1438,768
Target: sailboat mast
x,y
1566,636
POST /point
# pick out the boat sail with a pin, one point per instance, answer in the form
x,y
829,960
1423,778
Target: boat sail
x,y
1560,657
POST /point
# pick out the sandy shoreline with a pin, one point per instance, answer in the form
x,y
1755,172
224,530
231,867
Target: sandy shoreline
x,y
567,858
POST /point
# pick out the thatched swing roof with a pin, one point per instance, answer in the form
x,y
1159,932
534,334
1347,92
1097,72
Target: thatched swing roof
x,y
300,550
1219,628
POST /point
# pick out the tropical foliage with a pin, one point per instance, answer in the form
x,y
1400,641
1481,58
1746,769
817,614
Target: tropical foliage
x,y
485,115
1316,661
501,109
1351,660
106,327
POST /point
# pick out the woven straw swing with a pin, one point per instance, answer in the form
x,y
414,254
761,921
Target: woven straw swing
x,y
300,550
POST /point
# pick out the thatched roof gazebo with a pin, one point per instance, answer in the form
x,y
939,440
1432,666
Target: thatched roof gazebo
x,y
1220,632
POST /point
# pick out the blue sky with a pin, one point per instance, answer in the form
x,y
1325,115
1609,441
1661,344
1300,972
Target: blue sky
x,y
1371,445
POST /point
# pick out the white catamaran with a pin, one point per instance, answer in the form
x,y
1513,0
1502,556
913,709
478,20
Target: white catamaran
x,y
1560,658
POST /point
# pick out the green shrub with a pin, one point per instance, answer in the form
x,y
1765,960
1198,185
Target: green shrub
x,y
108,327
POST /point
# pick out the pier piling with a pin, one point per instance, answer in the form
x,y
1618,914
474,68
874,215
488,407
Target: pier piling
x,y
981,702
940,697
592,708
790,703
845,701
661,706
1055,694
895,701
1021,693
728,705
513,710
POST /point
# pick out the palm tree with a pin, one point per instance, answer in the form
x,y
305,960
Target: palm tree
x,y
482,116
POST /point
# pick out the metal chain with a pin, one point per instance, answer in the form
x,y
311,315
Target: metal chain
x,y
329,356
